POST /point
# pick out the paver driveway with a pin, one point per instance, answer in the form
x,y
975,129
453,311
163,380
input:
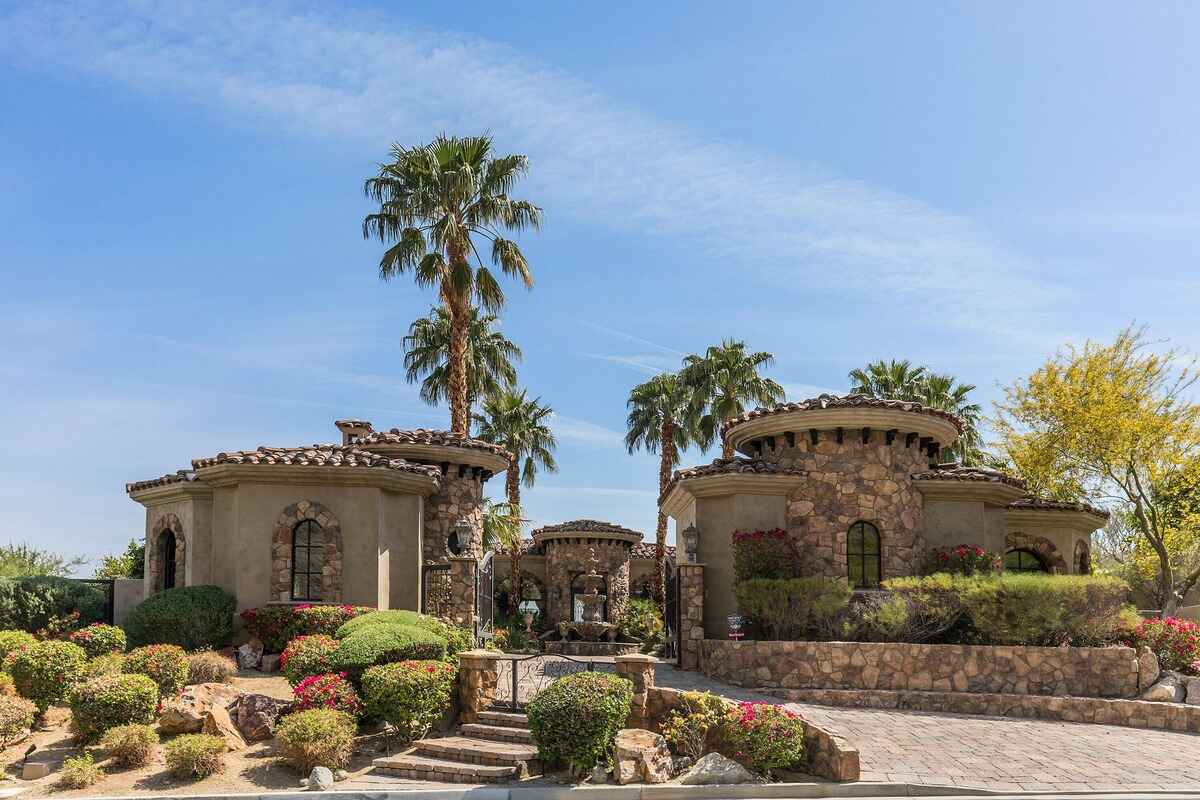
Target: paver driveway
x,y
993,752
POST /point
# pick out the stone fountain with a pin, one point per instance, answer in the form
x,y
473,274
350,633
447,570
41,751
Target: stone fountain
x,y
591,635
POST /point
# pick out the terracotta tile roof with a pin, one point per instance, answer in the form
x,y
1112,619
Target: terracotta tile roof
x,y
430,437
730,466
180,476
1042,503
318,455
836,401
957,472
587,526
646,550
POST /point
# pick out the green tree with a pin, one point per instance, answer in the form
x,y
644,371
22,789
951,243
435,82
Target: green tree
x,y
130,564
894,379
722,382
661,421
17,560
503,531
435,202
490,356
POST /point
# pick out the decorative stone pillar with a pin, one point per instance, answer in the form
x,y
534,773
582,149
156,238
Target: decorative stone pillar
x,y
691,614
478,673
639,669
461,608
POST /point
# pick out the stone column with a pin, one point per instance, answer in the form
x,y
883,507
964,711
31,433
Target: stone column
x,y
639,669
691,614
461,609
478,673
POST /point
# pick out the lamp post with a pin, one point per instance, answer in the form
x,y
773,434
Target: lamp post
x,y
691,543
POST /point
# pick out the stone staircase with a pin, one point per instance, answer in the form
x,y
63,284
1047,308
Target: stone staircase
x,y
496,748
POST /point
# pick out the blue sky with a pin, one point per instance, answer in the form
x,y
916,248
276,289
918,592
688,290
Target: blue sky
x,y
182,270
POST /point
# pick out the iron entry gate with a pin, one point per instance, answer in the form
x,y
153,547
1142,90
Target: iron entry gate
x,y
522,677
485,599
435,588
671,617
105,587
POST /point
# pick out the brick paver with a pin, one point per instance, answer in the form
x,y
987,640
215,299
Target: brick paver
x,y
993,752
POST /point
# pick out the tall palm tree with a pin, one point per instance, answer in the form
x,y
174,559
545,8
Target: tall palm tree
x,y
895,379
435,201
520,426
490,356
660,421
724,379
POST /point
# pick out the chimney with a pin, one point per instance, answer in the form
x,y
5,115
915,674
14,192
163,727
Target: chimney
x,y
353,429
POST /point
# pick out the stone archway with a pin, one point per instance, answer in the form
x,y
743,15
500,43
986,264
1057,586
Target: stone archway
x,y
167,530
281,551
1083,558
1043,547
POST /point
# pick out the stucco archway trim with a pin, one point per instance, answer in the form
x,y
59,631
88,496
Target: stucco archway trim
x,y
167,523
281,551
1044,548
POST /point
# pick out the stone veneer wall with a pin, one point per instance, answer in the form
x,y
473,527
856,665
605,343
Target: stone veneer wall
x,y
567,557
167,522
691,614
460,609
1079,671
850,482
459,497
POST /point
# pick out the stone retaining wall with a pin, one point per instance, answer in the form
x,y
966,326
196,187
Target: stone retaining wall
x,y
1078,671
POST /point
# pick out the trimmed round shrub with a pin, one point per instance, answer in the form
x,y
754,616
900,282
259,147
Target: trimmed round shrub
x,y
80,772
765,737
165,664
1175,641
193,617
14,640
31,603
130,745
384,644
328,691
109,701
99,639
44,671
456,639
305,656
319,737
107,664
575,719
210,667
193,756
275,626
16,718
411,695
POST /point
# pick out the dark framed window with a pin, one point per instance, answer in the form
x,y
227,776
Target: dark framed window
x,y
1023,561
166,555
308,556
863,556
577,604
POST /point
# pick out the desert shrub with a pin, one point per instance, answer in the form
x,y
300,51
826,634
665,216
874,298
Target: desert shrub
x,y
111,700
130,745
31,603
697,725
107,664
16,718
790,608
307,655
411,695
575,718
963,559
165,664
79,772
764,554
7,687
643,621
1049,610
1175,641
275,626
14,640
44,671
319,737
99,639
193,756
765,737
208,666
193,617
328,691
384,644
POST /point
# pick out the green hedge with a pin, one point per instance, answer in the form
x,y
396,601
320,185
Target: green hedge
x,y
29,603
793,608
457,639
193,617
576,718
109,701
384,644
44,671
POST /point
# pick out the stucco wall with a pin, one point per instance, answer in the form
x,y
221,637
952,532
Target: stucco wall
x,y
195,519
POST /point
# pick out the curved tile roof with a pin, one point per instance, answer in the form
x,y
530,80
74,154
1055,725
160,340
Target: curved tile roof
x,y
1045,504
179,476
730,466
957,472
431,437
318,455
841,401
642,550
587,526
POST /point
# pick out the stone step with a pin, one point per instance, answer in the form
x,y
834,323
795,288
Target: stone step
x,y
418,767
497,733
505,719
478,751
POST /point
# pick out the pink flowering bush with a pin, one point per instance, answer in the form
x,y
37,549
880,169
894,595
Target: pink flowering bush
x,y
764,554
275,626
1175,641
98,639
963,559
765,737
411,695
305,656
330,690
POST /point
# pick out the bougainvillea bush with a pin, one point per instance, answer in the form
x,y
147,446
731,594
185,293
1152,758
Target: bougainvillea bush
x,y
111,700
1175,641
331,690
305,656
42,672
764,554
99,639
165,664
765,737
411,695
963,559
574,719
275,626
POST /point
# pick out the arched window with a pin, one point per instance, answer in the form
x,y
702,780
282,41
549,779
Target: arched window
x,y
1021,560
862,556
1083,558
166,556
577,604
308,556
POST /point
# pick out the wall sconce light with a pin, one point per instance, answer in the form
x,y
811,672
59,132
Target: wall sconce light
x,y
460,535
691,543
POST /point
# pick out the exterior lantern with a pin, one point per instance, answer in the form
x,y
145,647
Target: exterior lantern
x,y
460,534
691,543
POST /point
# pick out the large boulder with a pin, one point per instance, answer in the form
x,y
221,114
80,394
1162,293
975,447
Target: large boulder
x,y
250,654
1192,690
641,756
217,722
716,769
320,779
1169,689
186,713
1148,668
257,714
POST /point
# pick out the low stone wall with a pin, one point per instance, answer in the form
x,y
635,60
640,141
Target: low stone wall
x,y
591,649
1078,671
1098,710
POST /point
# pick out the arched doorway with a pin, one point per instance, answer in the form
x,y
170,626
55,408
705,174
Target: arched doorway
x,y
166,555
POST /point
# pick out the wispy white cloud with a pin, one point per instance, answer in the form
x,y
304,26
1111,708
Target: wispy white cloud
x,y
646,363
803,391
786,224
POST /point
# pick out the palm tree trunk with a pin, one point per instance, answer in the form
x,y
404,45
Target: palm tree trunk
x,y
459,306
726,449
512,487
665,464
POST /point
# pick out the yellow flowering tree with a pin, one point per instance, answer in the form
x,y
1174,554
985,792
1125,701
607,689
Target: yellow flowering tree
x,y
1115,422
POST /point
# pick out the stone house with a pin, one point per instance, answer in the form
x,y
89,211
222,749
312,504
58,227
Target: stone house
x,y
856,484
